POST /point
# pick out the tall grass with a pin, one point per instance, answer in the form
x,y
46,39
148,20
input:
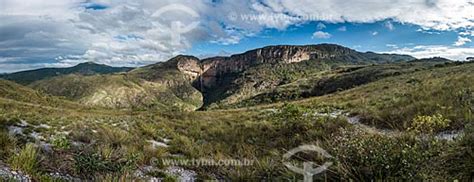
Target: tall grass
x,y
26,160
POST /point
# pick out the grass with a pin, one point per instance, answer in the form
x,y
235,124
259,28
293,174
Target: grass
x,y
110,144
365,156
7,145
394,102
26,160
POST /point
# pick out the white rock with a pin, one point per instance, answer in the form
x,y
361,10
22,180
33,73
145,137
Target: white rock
x,y
156,144
182,174
15,130
45,126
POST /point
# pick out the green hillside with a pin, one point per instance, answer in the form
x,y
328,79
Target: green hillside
x,y
137,90
406,149
14,93
337,78
387,121
88,68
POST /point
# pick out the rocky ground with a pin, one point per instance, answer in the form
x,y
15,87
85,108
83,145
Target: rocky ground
x,y
8,174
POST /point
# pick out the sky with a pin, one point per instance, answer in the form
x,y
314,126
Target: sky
x,y
62,33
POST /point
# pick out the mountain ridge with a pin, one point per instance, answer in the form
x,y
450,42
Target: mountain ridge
x,y
86,68
220,65
189,83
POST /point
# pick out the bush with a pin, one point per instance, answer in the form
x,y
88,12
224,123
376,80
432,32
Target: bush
x,y
26,160
7,145
91,164
429,124
116,137
367,157
458,160
291,112
61,142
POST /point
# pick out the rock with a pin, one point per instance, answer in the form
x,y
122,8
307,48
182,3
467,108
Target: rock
x,y
166,140
209,71
45,126
156,144
23,123
142,173
45,147
37,136
449,135
182,174
333,114
353,120
7,174
64,177
15,130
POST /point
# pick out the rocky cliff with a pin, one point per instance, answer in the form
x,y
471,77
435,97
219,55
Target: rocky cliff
x,y
186,82
219,77
209,70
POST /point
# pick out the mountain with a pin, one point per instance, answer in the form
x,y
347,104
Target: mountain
x,y
88,68
433,60
159,86
188,83
11,92
230,79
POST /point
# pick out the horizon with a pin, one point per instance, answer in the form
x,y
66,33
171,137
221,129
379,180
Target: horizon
x,y
39,33
202,58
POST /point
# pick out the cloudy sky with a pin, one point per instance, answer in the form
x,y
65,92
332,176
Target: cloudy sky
x,y
59,33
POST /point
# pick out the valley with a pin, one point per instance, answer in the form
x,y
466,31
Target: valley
x,y
380,117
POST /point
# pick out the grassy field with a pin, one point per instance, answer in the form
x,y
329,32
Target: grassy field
x,y
415,105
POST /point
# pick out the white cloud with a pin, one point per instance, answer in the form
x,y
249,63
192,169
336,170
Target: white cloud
x,y
467,33
342,29
428,51
321,26
389,25
427,31
125,33
393,46
374,33
461,41
432,14
227,41
321,35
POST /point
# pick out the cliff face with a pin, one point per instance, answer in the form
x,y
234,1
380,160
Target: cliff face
x,y
185,82
190,66
220,78
211,70
273,55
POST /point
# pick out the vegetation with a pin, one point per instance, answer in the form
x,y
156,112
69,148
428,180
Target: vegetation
x,y
403,109
429,124
26,160
89,68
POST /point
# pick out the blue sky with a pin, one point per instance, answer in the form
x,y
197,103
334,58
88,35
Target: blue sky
x,y
377,37
62,33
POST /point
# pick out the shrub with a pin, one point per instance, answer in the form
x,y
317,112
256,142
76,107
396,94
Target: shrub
x,y
93,163
366,157
116,137
7,145
26,160
429,124
458,160
61,142
291,112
